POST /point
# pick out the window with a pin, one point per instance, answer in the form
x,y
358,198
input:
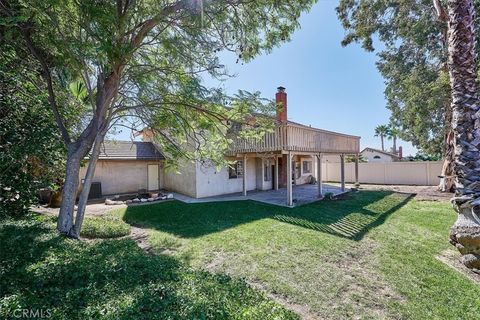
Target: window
x,y
307,167
376,157
267,170
235,170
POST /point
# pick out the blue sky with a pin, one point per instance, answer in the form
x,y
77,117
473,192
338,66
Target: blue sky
x,y
328,86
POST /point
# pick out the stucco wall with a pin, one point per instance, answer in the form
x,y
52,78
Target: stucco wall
x,y
182,180
211,182
122,176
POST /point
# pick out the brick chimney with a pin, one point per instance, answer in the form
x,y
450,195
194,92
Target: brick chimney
x,y
281,102
400,152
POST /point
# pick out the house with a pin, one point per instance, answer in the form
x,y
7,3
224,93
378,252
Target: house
x,y
375,155
127,166
290,155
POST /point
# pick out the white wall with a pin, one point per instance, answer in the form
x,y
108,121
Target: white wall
x,y
210,182
183,180
122,176
408,173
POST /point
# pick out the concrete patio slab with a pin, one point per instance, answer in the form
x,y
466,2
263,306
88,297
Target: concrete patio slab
x,y
302,194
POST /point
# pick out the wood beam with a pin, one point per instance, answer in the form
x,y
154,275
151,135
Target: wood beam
x,y
276,173
357,184
342,171
319,175
289,180
245,175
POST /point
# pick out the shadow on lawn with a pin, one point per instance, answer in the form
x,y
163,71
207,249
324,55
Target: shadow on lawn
x,y
111,279
351,218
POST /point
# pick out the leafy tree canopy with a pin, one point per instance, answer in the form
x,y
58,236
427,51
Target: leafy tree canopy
x,y
140,64
412,59
31,152
161,49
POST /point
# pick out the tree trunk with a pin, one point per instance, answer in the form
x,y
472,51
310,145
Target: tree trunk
x,y
447,180
395,144
383,147
82,202
69,192
107,89
465,234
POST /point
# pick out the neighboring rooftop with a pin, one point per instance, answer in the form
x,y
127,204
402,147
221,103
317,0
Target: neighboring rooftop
x,y
393,155
129,150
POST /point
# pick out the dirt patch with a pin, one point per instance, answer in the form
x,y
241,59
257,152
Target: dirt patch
x,y
303,311
452,259
140,236
94,209
217,262
361,285
422,193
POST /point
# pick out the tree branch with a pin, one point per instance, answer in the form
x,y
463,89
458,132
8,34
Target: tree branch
x,y
440,11
148,25
48,78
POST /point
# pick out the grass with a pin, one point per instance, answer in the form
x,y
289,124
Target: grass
x,y
370,256
44,272
104,227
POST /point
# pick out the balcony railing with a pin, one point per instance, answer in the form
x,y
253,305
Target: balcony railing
x,y
291,137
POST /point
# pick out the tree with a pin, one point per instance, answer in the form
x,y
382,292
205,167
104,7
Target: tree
x,y
31,154
141,63
465,234
413,61
382,132
392,134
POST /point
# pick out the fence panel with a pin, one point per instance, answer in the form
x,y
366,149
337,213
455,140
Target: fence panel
x,y
423,173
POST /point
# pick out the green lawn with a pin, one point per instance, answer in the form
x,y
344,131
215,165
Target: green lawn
x,y
372,255
61,278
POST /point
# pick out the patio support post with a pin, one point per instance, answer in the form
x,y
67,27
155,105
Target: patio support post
x,y
276,173
289,180
245,175
342,171
357,184
319,175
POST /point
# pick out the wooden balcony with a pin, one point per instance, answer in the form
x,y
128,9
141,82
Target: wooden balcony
x,y
294,137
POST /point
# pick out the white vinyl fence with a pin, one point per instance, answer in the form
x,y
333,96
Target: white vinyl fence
x,y
423,173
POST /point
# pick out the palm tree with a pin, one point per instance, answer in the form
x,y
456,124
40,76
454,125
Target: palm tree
x,y
381,131
465,233
393,133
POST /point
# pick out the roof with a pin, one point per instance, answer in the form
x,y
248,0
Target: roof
x,y
393,155
321,130
129,150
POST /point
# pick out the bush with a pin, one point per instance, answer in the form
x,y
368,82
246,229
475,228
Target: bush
x,y
104,227
329,195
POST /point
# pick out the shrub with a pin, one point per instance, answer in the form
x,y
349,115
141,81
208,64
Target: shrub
x,y
104,227
329,195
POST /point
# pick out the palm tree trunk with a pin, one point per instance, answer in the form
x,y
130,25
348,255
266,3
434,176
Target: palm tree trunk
x,y
395,144
465,234
383,147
